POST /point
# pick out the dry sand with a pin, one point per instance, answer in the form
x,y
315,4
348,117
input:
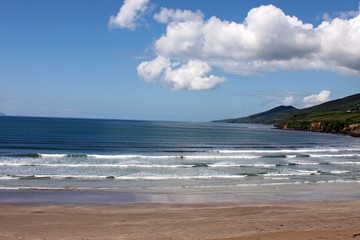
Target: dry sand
x,y
304,220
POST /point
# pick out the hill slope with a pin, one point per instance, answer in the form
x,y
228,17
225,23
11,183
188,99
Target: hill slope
x,y
337,116
273,116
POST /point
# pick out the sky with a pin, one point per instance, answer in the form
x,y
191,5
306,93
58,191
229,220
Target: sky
x,y
176,60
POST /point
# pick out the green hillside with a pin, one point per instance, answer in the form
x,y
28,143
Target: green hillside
x,y
337,116
273,116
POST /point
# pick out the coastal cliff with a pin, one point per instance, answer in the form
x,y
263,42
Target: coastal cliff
x,y
352,129
337,116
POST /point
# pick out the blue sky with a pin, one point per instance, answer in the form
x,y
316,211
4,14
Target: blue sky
x,y
175,60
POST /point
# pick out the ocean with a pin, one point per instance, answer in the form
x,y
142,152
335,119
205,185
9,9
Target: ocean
x,y
61,153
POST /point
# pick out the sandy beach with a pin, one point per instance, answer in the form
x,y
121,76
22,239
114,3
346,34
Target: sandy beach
x,y
291,220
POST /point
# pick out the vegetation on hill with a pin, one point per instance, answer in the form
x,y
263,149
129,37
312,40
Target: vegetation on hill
x,y
337,116
273,116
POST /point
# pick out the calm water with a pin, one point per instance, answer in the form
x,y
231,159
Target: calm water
x,y
54,153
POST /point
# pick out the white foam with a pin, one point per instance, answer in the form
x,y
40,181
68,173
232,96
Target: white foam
x,y
58,165
199,177
307,171
339,181
334,155
7,164
221,157
339,172
277,178
270,184
299,173
304,150
306,163
188,157
345,163
52,155
259,165
6,178
130,177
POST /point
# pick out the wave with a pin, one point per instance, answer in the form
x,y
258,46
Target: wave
x,y
334,155
200,164
216,155
56,165
339,181
199,177
345,163
225,164
277,178
186,165
269,175
28,155
297,164
134,156
303,150
120,156
335,172
130,177
298,173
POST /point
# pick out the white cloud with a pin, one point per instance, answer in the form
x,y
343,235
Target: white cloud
x,y
315,99
340,40
267,40
128,14
176,15
151,70
288,101
194,75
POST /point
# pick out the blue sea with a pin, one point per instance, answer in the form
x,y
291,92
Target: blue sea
x,y
60,153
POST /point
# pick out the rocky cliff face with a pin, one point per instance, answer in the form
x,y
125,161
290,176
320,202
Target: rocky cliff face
x,y
330,127
317,126
353,129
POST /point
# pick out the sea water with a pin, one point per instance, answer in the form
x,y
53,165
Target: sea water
x,y
60,153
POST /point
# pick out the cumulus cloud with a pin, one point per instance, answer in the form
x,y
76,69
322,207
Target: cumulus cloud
x,y
267,40
129,14
288,100
151,70
315,99
176,15
340,40
194,75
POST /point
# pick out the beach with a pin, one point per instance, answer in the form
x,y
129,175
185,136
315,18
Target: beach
x,y
280,220
281,212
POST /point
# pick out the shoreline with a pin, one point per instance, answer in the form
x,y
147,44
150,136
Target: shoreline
x,y
335,191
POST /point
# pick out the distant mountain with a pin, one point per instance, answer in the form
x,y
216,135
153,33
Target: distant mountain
x,y
2,114
337,116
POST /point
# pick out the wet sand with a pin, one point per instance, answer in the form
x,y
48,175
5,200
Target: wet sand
x,y
276,220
